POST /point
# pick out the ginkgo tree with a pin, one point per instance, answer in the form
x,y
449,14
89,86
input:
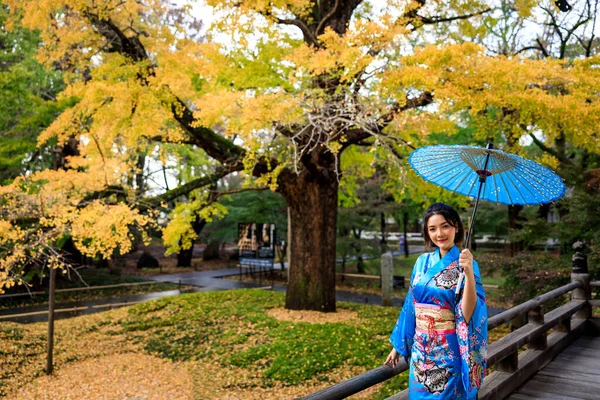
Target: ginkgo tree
x,y
278,91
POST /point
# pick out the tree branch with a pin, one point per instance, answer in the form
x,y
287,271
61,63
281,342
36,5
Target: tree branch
x,y
225,193
327,17
542,48
117,40
102,194
308,35
549,150
215,145
436,20
188,187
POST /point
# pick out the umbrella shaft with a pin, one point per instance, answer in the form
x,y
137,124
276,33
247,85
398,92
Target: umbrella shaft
x,y
482,179
470,232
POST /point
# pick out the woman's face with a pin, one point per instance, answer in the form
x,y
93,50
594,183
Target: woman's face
x,y
441,232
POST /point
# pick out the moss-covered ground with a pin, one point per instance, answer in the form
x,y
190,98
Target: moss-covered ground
x,y
232,345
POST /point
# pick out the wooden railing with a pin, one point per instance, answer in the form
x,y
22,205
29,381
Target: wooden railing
x,y
512,366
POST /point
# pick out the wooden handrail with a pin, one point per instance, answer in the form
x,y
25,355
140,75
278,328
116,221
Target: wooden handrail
x,y
358,383
519,337
529,305
497,351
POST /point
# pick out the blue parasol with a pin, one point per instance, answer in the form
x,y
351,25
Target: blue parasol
x,y
488,174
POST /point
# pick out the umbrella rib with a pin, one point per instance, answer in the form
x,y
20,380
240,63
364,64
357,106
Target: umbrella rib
x,y
435,165
496,186
506,188
461,182
533,182
517,188
435,160
525,178
471,188
441,172
452,177
532,177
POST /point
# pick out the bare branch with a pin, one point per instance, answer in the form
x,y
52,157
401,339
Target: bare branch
x,y
219,194
530,48
549,150
190,186
542,48
437,19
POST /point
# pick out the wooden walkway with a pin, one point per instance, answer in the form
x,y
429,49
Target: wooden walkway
x,y
573,374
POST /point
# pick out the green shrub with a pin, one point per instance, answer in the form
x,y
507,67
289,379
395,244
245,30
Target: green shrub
x,y
529,274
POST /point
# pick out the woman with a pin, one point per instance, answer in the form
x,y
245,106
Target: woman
x,y
443,337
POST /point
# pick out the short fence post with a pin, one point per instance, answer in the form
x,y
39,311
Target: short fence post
x,y
387,282
580,273
508,364
536,317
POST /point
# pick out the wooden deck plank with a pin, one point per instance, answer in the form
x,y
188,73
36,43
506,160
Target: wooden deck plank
x,y
582,384
592,364
555,389
581,352
587,342
545,395
572,374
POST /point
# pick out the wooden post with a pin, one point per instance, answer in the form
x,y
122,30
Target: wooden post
x,y
50,347
405,223
536,317
508,364
580,273
387,280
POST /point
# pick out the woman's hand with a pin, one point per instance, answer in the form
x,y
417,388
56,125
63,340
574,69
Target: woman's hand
x,y
466,262
469,299
393,358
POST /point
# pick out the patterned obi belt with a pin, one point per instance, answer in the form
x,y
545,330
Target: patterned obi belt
x,y
432,319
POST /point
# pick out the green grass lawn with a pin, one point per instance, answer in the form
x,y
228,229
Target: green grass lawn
x,y
231,329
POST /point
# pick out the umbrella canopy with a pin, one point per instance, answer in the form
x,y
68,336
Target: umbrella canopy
x,y
511,179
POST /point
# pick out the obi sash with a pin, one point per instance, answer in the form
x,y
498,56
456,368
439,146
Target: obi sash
x,y
434,320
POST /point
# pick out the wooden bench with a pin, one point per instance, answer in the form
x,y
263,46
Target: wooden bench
x,y
256,265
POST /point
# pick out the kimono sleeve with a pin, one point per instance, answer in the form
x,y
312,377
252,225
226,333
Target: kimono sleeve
x,y
403,334
472,339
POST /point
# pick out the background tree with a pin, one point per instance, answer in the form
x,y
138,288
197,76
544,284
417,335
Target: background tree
x,y
28,101
299,84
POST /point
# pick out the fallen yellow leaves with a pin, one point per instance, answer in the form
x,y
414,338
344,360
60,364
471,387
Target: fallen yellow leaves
x,y
313,317
119,376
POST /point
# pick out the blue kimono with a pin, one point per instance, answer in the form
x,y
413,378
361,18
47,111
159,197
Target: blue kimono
x,y
447,356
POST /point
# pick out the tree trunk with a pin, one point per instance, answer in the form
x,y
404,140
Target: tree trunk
x,y
383,241
184,257
313,211
360,265
515,224
139,174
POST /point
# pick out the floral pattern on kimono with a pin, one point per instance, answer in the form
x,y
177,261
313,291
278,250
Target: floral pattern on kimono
x,y
447,364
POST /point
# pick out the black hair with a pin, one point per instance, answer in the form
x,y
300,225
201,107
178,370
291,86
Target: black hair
x,y
451,217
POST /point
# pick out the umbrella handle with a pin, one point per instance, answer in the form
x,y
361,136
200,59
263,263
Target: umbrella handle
x,y
459,284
